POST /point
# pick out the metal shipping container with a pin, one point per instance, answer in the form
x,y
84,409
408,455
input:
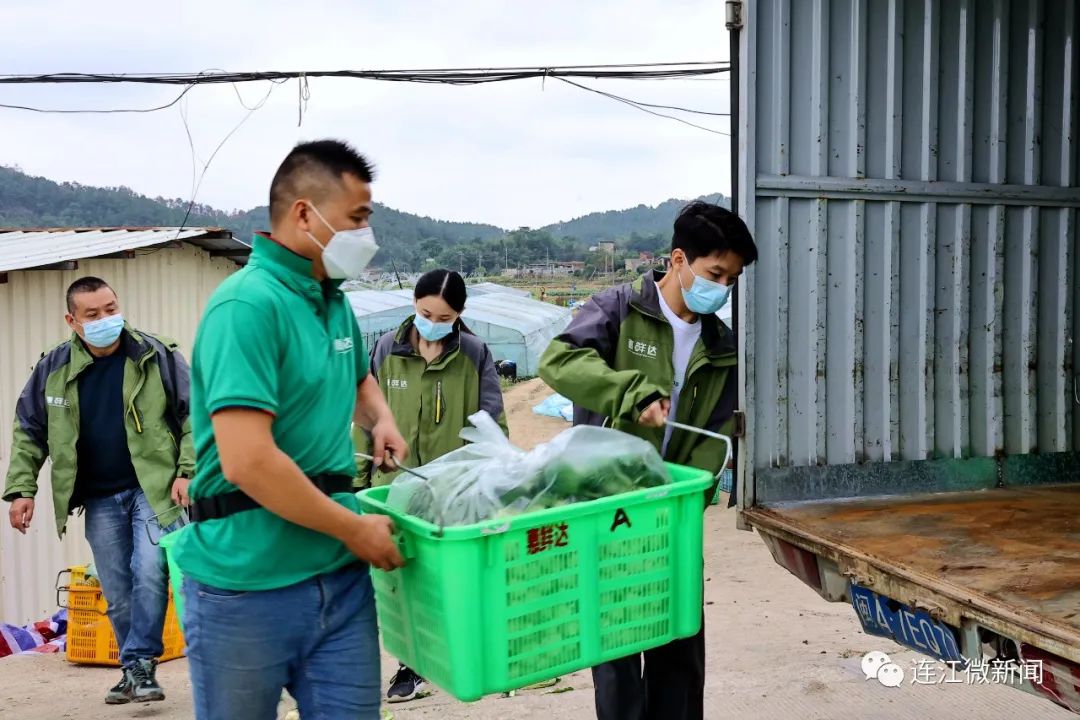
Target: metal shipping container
x,y
909,171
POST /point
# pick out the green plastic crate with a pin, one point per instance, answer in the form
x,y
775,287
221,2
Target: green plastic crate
x,y
502,604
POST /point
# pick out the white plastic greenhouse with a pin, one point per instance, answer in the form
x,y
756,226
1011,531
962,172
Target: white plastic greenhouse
x,y
516,328
486,288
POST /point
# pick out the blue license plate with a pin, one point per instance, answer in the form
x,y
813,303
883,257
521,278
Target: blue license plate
x,y
913,629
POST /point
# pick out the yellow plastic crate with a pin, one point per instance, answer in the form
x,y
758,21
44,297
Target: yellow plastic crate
x,y
90,637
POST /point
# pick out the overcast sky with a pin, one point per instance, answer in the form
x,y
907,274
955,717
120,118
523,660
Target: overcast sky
x,y
511,154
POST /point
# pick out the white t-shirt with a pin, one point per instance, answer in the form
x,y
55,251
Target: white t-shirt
x,y
686,337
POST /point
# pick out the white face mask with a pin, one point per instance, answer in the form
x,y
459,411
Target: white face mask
x,y
348,253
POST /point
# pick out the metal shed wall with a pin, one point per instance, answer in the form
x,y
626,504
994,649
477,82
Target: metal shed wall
x,y
909,171
164,291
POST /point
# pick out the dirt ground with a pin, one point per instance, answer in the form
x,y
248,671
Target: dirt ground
x,y
775,651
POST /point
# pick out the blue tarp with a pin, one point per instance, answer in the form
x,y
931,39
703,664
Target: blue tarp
x,y
556,406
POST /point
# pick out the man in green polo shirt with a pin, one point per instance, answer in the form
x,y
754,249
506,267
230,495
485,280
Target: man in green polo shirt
x,y
276,587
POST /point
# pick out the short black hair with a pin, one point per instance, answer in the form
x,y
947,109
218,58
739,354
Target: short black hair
x,y
443,283
703,229
86,284
318,160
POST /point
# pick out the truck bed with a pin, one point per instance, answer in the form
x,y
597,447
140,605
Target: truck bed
x,y
1011,554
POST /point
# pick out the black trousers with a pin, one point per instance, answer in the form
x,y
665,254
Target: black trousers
x,y
671,686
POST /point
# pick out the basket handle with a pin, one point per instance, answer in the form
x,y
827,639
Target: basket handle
x,y
404,544
61,589
427,482
65,605
715,436
153,518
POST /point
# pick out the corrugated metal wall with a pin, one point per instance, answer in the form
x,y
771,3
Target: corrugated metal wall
x,y
910,175
163,291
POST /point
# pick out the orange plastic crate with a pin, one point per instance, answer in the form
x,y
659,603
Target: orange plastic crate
x,y
90,638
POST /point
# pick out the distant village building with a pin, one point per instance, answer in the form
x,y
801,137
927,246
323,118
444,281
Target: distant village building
x,y
642,261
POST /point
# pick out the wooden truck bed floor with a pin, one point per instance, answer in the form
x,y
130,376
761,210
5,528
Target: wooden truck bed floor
x,y
1014,548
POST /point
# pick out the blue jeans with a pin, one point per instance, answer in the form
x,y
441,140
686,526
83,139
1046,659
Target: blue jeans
x,y
132,571
318,639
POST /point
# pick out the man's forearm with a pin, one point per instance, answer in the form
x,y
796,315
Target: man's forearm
x,y
371,407
277,484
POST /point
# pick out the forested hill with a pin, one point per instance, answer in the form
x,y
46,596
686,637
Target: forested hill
x,y
27,201
408,242
615,224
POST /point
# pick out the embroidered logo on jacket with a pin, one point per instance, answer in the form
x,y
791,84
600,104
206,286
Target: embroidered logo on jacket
x,y
641,349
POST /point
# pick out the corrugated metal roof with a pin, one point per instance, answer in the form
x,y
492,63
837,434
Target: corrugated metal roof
x,y
22,248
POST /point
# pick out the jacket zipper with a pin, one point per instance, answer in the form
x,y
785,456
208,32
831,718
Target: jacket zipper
x,y
438,402
138,388
693,401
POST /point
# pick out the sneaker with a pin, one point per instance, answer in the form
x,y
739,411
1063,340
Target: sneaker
x,y
144,684
405,686
120,693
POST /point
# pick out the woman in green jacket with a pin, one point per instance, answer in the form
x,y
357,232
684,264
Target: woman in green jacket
x,y
434,373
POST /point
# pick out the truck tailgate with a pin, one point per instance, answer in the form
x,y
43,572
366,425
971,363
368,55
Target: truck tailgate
x,y
1007,558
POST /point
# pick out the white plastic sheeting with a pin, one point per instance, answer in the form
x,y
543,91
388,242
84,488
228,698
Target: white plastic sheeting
x,y
517,329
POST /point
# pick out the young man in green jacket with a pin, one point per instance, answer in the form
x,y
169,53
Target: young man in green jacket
x,y
110,407
634,357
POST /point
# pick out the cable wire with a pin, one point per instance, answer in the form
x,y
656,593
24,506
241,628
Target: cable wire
x,y
198,185
645,108
107,111
462,76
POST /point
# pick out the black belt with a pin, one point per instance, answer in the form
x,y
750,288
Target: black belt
x,y
216,507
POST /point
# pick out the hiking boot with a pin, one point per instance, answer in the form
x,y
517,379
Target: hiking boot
x,y
120,693
405,686
144,682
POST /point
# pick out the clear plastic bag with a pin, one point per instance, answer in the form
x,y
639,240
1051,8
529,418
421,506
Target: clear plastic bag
x,y
490,478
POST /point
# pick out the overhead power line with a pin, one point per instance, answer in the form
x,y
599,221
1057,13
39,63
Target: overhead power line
x,y
444,76
447,76
645,107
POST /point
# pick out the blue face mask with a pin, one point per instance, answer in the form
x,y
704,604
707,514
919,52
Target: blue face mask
x,y
704,297
432,331
104,332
